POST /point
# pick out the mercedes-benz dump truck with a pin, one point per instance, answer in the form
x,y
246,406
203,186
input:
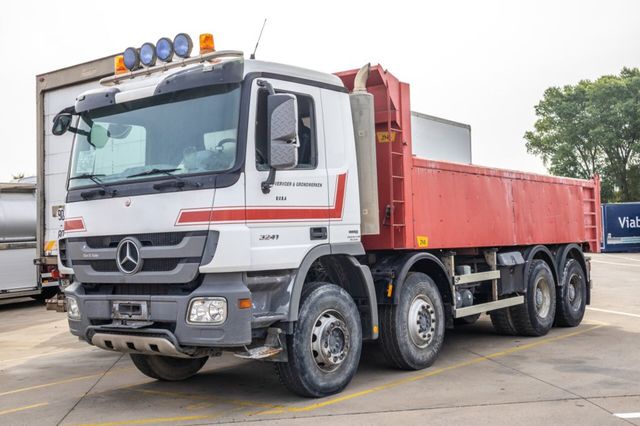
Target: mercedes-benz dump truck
x,y
220,204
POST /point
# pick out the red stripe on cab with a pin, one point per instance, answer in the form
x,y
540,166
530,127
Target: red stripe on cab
x,y
265,214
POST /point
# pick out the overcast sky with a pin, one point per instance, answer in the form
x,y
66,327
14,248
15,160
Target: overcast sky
x,y
485,63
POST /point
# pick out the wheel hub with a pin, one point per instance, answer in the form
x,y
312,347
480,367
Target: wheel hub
x,y
542,298
421,321
574,294
329,341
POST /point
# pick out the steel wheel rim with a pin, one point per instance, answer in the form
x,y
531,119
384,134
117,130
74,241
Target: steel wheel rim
x,y
574,296
421,321
330,341
542,295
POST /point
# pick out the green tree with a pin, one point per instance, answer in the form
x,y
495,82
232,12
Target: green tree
x,y
593,128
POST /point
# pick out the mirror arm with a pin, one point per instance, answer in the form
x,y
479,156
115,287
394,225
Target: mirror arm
x,y
267,184
78,131
266,85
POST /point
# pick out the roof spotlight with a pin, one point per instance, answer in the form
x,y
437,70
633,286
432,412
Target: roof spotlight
x,y
182,45
148,54
131,58
164,49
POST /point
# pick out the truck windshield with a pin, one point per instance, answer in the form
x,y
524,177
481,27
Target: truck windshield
x,y
179,133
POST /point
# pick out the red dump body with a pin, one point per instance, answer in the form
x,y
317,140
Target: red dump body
x,y
438,205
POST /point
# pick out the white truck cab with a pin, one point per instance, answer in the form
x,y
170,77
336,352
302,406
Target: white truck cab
x,y
200,200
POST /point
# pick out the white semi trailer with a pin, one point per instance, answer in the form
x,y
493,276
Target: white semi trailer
x,y
18,243
55,90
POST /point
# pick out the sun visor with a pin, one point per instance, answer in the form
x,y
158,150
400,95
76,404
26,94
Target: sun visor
x,y
202,75
96,99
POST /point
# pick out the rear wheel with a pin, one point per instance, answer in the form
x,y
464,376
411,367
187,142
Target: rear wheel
x,y
572,295
535,317
502,321
324,349
412,332
167,368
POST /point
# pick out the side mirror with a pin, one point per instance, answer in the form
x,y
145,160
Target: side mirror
x,y
282,113
61,123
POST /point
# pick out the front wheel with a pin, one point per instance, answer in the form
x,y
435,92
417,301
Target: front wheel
x,y
324,350
412,332
167,368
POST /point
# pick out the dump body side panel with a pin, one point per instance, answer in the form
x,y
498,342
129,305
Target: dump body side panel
x,y
459,206
426,204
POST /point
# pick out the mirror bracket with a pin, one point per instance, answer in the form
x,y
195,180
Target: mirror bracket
x,y
268,183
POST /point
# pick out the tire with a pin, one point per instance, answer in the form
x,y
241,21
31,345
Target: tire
x,y
328,318
167,368
571,295
47,293
471,319
536,316
502,321
413,345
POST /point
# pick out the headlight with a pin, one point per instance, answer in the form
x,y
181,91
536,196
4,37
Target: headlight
x,y
164,49
207,310
148,54
73,308
182,45
131,58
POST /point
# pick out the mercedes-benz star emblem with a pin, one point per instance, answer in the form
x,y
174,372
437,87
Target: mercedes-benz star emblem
x,y
128,256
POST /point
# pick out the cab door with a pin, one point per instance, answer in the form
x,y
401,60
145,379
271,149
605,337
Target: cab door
x,y
293,217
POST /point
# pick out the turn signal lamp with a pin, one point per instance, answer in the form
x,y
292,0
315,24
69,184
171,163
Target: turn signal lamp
x,y
118,64
206,43
244,303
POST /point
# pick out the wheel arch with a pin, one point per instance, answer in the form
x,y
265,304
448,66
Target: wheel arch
x,y
354,277
395,270
540,252
570,251
573,251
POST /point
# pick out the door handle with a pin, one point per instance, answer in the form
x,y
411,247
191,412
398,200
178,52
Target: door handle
x,y
319,233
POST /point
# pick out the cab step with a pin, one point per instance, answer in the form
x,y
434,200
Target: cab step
x,y
261,352
272,349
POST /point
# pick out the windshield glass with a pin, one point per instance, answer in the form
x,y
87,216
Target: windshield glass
x,y
180,133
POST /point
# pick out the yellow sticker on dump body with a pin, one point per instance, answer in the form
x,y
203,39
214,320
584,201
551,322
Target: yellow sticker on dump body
x,y
383,137
422,241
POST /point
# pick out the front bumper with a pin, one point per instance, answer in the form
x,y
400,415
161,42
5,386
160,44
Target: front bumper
x,y
169,314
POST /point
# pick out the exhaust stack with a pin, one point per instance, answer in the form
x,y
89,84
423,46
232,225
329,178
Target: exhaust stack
x,y
364,127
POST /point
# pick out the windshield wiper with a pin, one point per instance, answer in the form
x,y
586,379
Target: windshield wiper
x,y
155,172
104,189
178,182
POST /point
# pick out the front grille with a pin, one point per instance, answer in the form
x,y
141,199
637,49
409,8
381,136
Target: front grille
x,y
141,289
156,239
149,265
